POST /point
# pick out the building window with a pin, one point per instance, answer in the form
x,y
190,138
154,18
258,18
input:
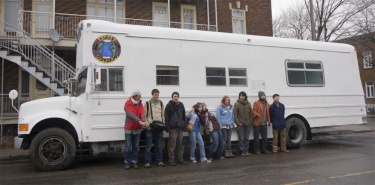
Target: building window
x,y
160,14
216,76
239,21
188,17
104,10
43,16
370,90
167,75
25,84
304,73
11,13
111,80
237,76
367,60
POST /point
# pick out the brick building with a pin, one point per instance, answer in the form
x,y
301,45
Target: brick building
x,y
365,47
25,27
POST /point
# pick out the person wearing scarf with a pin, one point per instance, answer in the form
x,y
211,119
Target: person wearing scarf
x,y
261,115
135,120
243,114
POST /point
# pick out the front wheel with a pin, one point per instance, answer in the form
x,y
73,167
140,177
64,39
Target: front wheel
x,y
295,133
52,149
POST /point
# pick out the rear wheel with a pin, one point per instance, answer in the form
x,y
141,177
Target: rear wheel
x,y
52,149
295,132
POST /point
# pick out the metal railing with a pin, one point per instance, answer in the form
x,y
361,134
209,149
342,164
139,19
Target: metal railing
x,y
39,23
18,40
23,97
7,104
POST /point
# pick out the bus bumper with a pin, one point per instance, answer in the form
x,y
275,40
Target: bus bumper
x,y
17,142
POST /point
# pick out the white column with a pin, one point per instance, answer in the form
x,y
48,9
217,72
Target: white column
x,y
208,14
53,13
216,15
115,8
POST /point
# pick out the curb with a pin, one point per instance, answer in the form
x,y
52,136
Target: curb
x,y
15,161
12,158
338,132
341,132
367,130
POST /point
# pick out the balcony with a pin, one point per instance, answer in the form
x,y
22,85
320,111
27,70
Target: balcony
x,y
39,23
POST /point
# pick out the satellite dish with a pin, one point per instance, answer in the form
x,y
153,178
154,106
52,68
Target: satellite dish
x,y
54,35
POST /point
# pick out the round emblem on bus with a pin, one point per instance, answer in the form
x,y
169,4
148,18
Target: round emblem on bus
x,y
106,49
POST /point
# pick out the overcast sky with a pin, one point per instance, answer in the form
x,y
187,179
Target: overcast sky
x,y
278,5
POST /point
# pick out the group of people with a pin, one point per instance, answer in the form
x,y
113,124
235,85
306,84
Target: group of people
x,y
240,116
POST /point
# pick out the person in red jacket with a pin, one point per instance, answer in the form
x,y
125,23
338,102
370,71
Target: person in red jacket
x,y
135,120
261,117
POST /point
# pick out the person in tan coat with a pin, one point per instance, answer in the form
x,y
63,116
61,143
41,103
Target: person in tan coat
x,y
261,113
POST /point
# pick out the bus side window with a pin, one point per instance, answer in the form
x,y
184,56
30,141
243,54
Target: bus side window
x,y
305,73
111,80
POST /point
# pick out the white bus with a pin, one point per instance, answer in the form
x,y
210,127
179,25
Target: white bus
x,y
318,82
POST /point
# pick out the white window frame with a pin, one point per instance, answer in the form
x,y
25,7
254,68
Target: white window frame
x,y
43,33
237,19
237,77
164,75
367,60
97,4
107,82
304,69
157,22
9,14
224,77
369,89
190,7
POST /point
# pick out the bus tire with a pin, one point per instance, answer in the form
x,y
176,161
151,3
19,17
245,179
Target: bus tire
x,y
295,132
52,149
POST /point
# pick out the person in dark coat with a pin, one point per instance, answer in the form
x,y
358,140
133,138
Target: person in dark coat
x,y
277,112
175,120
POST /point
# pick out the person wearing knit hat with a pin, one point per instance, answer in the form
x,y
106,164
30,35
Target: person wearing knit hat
x,y
261,113
136,93
135,120
260,94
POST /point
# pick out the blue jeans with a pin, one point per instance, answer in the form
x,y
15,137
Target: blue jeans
x,y
227,135
217,146
131,143
243,138
194,137
157,136
262,130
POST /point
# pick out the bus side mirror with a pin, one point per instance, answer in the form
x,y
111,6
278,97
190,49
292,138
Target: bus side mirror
x,y
98,78
13,94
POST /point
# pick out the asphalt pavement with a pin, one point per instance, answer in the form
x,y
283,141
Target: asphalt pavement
x,y
13,155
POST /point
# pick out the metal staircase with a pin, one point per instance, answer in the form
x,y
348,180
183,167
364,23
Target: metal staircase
x,y
19,47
